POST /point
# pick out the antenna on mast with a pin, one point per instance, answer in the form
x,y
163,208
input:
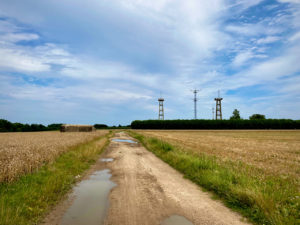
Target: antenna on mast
x,y
195,91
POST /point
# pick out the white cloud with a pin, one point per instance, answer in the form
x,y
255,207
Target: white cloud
x,y
290,1
267,71
251,29
87,91
193,27
241,58
284,65
267,40
26,58
192,40
8,27
18,60
295,37
15,57
246,4
15,37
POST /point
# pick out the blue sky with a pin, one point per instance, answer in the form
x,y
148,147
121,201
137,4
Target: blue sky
x,y
101,61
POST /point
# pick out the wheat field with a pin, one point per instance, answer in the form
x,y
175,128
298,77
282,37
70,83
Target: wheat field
x,y
22,153
276,152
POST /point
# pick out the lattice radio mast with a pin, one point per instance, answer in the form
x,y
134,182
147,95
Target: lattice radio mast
x,y
161,115
218,107
195,103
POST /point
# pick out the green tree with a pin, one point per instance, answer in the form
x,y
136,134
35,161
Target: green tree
x,y
235,115
257,117
5,126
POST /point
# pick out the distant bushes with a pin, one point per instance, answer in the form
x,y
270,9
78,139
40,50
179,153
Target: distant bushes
x,y
217,124
257,117
100,126
6,126
120,127
104,126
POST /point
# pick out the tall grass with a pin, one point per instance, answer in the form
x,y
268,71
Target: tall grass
x,y
263,199
26,200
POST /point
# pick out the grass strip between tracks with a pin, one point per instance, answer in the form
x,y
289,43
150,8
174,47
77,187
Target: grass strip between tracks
x,y
27,200
262,198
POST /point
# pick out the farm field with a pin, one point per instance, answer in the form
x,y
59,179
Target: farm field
x,y
276,152
22,153
253,172
26,196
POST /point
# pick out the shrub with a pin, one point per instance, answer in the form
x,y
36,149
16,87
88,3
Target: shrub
x,y
257,117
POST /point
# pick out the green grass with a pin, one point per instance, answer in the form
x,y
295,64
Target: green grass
x,y
27,200
263,199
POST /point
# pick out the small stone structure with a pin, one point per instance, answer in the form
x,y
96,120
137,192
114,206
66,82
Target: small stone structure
x,y
76,128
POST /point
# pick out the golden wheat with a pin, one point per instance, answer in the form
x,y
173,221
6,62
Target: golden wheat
x,y
22,153
276,152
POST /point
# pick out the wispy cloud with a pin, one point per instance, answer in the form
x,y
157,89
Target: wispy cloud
x,y
117,55
268,40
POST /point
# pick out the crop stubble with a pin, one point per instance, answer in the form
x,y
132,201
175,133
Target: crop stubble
x,y
22,153
255,172
275,152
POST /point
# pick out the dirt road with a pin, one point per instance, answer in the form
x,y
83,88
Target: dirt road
x,y
148,191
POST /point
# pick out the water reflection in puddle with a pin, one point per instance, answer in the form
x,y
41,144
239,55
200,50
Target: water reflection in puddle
x,y
125,140
91,202
176,220
106,159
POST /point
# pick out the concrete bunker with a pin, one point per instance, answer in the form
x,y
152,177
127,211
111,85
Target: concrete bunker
x,y
77,128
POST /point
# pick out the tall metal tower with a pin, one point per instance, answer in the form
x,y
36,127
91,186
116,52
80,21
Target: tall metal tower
x,y
161,115
213,113
195,103
218,107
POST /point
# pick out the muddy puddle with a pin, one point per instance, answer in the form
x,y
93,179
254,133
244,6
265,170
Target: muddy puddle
x,y
124,140
91,200
176,220
106,159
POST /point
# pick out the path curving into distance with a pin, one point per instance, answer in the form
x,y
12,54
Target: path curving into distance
x,y
150,192
137,188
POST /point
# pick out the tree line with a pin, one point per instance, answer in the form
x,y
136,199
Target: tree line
x,y
217,124
256,121
6,126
